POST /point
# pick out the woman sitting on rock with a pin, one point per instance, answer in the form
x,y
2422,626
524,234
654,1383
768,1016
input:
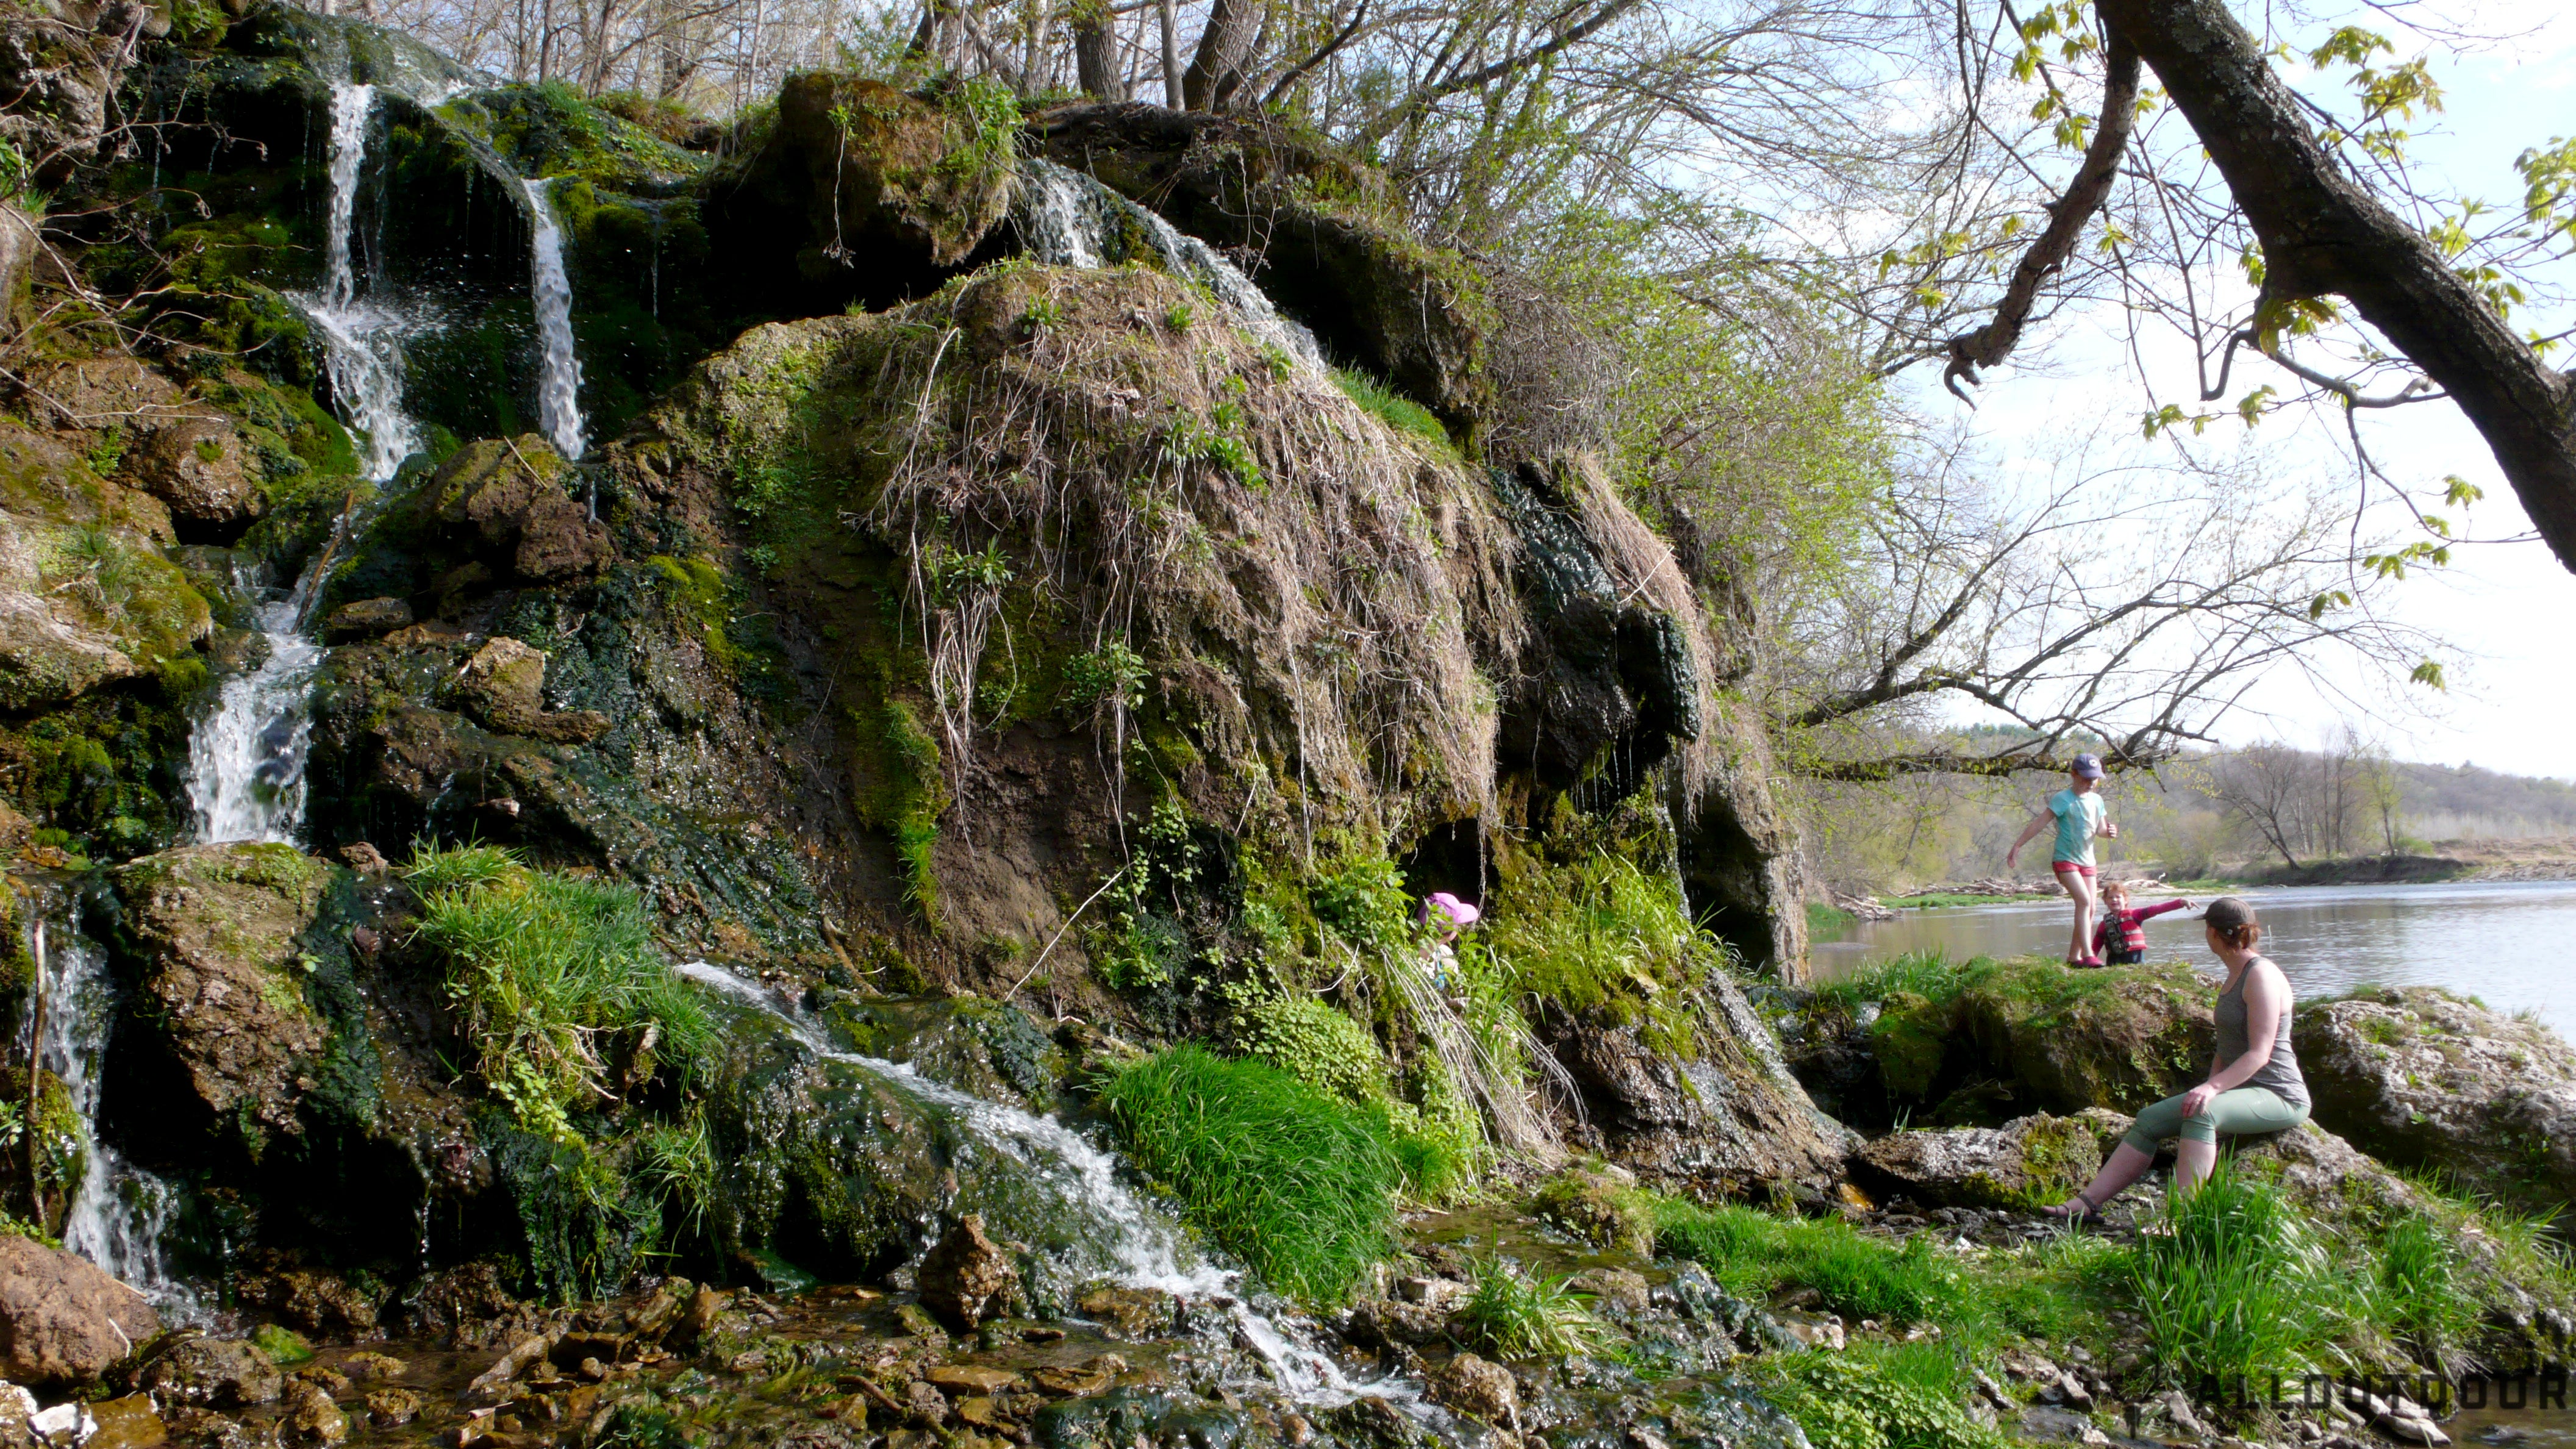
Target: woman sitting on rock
x,y
2254,1085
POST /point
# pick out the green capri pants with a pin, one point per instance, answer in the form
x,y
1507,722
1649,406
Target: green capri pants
x,y
2243,1112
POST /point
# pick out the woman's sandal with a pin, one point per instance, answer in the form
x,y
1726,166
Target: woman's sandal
x,y
2091,1215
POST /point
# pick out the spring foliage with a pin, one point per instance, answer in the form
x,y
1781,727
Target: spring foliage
x,y
549,973
1299,1186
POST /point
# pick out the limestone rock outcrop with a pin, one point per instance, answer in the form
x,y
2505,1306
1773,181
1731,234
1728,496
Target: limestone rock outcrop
x,y
2027,1162
2420,1078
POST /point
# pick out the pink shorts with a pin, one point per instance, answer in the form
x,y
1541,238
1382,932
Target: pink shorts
x,y
2069,867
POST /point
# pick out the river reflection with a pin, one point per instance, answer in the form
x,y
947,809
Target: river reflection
x,y
2504,942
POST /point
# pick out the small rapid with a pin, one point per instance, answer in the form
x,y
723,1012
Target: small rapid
x,y
550,287
1144,1247
1066,219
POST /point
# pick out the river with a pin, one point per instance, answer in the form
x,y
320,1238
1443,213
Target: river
x,y
2504,942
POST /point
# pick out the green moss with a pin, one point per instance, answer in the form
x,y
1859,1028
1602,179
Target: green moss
x,y
105,770
282,1346
902,792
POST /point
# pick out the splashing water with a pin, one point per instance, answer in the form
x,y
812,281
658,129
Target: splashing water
x,y
559,376
119,1211
1066,219
362,337
246,760
1147,1248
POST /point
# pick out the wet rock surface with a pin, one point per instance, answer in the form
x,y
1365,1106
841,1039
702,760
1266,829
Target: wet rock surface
x,y
215,930
63,1319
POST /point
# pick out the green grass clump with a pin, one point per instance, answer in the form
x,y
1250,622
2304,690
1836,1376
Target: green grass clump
x,y
1928,974
548,971
1877,1397
2423,1297
2239,1285
1976,1300
1300,1187
1824,920
1398,412
1517,1315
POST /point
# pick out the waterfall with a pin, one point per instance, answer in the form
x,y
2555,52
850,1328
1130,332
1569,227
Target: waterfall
x,y
559,377
118,1211
246,760
362,337
1146,1248
1066,219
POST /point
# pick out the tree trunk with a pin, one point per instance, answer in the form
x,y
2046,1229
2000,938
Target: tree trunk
x,y
2322,232
1095,51
1226,47
1172,91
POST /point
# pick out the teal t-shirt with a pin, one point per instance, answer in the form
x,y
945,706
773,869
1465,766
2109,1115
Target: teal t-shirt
x,y
2079,817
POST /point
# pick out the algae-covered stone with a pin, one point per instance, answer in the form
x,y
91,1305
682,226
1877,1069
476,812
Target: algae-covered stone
x,y
214,930
859,190
503,686
365,619
2025,1163
2422,1079
199,467
212,1373
2028,1034
510,496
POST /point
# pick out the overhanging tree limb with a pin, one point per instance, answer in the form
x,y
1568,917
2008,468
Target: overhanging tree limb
x,y
2322,232
2084,196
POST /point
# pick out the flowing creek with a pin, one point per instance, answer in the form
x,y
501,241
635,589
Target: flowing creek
x,y
1121,1236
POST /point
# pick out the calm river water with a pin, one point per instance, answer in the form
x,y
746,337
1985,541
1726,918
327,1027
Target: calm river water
x,y
2506,942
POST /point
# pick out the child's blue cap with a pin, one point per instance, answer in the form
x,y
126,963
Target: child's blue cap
x,y
2087,767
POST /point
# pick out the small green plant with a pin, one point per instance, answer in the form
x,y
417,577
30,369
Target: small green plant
x,y
209,451
1180,316
1299,1186
1113,674
1910,1397
548,972
1042,315
1402,414
1520,1315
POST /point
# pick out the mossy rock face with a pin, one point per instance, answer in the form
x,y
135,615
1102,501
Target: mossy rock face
x,y
214,930
989,1048
2048,1037
1331,248
855,191
2028,1162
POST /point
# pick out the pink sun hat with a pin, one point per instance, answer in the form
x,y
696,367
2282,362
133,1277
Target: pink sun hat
x,y
1461,913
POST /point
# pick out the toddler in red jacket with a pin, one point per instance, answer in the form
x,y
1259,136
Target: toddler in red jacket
x,y
2121,939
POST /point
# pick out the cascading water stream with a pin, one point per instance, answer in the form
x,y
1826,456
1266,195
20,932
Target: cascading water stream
x,y
1144,1247
559,372
362,337
117,1212
1066,219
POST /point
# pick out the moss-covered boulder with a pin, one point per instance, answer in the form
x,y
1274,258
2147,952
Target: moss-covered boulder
x,y
216,929
1324,233
2424,1079
2001,1037
855,191
2027,1162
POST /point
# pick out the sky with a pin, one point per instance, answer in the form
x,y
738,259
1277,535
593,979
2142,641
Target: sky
x,y
2507,611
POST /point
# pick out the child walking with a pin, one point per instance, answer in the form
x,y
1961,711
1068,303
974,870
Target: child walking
x,y
2121,939
2078,814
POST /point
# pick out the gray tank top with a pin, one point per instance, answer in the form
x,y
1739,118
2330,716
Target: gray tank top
x,y
2281,1073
